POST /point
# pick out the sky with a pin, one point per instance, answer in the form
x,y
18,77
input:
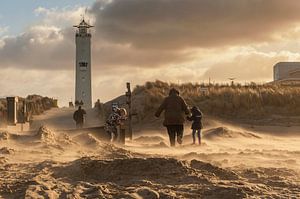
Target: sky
x,y
143,40
17,15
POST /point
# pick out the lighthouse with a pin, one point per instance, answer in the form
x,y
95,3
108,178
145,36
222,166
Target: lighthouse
x,y
83,85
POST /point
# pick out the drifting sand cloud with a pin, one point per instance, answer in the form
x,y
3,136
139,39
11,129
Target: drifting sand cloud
x,y
231,164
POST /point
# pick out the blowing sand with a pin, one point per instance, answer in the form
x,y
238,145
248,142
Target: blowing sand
x,y
231,163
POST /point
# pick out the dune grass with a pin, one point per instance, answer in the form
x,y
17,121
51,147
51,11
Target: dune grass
x,y
239,101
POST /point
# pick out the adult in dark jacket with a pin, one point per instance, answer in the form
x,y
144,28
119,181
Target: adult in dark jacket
x,y
197,123
174,107
78,116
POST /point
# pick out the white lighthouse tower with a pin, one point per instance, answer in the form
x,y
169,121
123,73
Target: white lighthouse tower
x,y
83,87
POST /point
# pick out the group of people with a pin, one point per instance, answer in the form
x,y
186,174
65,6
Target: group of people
x,y
176,112
175,109
115,124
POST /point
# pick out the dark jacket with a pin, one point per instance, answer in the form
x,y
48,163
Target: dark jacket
x,y
78,116
175,108
196,118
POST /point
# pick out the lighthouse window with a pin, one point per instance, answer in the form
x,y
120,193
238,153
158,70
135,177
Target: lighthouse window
x,y
83,65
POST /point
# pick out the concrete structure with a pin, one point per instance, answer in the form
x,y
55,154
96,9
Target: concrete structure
x,y
83,87
12,110
287,71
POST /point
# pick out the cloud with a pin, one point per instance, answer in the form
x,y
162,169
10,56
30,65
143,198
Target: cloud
x,y
40,47
115,55
252,66
60,17
3,30
46,45
152,33
50,45
169,24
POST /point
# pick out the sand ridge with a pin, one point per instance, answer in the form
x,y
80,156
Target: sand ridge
x,y
66,165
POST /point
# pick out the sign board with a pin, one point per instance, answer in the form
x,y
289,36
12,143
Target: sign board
x,y
204,90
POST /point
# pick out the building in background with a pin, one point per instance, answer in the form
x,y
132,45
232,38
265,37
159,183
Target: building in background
x,y
287,71
83,87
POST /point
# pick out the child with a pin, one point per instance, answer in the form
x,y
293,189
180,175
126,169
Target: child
x,y
112,123
197,124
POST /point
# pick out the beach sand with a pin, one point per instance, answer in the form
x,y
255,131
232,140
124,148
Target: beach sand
x,y
232,162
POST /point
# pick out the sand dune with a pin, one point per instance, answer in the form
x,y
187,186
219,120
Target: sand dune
x,y
232,163
224,132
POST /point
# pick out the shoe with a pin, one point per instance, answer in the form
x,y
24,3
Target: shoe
x,y
179,141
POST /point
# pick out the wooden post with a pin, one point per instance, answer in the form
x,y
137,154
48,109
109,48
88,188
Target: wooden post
x,y
3,118
23,115
128,95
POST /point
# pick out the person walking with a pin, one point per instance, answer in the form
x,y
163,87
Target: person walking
x,y
78,117
197,123
112,123
174,108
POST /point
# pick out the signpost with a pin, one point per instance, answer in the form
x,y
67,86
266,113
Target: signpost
x,y
128,102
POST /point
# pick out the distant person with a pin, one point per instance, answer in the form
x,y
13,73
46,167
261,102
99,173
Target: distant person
x,y
97,104
78,116
174,107
71,105
197,123
99,108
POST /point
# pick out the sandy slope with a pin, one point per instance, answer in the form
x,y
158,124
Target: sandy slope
x,y
80,166
62,118
232,163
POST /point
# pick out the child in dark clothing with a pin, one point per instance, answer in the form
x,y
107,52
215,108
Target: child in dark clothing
x,y
197,124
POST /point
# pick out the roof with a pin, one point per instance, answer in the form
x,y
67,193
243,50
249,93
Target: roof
x,y
83,24
288,63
